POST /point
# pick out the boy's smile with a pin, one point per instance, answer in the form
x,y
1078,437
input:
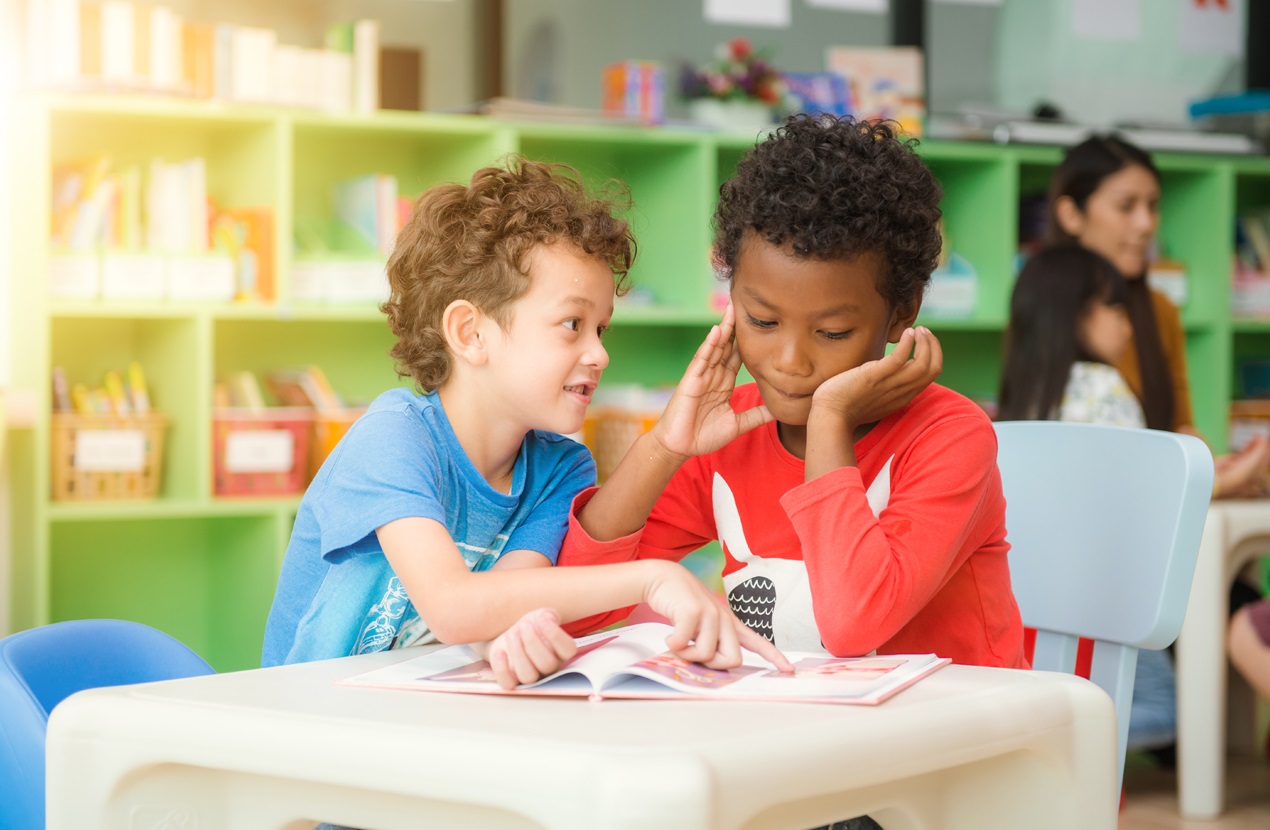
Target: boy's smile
x,y
802,321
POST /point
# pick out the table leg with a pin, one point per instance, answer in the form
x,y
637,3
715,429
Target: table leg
x,y
1201,680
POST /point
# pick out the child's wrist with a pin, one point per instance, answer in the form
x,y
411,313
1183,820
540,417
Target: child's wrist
x,y
653,571
831,419
652,448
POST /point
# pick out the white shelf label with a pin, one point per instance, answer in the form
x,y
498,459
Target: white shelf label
x,y
110,450
260,451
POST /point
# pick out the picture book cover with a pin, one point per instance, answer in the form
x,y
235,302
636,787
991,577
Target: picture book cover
x,y
633,662
885,82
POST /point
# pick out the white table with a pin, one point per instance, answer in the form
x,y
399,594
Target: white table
x,y
967,747
1235,532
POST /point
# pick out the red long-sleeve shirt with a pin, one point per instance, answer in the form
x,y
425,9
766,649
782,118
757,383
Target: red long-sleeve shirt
x,y
905,553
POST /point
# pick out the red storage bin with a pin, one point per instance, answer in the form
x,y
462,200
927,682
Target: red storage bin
x,y
261,452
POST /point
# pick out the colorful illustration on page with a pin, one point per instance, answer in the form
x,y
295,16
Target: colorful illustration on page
x,y
695,674
842,668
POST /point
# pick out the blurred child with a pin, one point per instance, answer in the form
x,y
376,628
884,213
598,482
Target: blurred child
x,y
1105,195
438,516
858,504
1069,327
1249,644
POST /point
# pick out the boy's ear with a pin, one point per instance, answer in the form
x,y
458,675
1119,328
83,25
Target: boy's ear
x,y
901,318
1069,217
461,324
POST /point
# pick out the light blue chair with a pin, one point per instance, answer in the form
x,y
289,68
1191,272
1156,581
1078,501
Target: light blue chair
x,y
41,666
1104,525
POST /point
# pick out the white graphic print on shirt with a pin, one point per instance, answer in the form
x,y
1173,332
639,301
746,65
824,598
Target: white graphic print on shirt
x,y
773,595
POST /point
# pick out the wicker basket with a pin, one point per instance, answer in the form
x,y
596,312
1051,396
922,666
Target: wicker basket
x,y
609,432
100,457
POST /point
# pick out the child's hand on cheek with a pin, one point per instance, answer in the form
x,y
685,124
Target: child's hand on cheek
x,y
873,390
699,417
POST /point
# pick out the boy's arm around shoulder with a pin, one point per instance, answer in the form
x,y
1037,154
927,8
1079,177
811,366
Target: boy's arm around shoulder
x,y
872,574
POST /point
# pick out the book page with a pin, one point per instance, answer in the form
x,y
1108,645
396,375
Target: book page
x,y
817,677
458,669
632,662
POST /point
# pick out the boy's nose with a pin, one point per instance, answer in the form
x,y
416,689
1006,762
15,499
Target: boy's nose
x,y
597,355
791,358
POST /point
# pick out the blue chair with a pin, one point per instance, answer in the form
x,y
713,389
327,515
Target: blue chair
x,y
42,666
1104,525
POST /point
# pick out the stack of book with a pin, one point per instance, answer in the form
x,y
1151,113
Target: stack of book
x,y
121,45
121,233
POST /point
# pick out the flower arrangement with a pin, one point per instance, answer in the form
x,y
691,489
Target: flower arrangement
x,y
739,73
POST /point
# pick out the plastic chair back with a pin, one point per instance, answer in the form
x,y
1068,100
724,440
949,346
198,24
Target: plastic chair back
x,y
1104,525
42,666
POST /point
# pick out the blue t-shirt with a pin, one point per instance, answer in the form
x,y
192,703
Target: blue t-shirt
x,y
337,595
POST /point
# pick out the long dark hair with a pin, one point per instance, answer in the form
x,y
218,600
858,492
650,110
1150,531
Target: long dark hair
x,y
1055,290
1081,172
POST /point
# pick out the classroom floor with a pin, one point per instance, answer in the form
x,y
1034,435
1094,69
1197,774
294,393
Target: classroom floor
x,y
1151,798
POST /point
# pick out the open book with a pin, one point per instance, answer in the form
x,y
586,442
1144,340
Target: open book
x,y
633,662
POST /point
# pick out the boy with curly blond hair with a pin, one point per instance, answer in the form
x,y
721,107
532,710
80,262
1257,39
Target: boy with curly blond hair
x,y
439,514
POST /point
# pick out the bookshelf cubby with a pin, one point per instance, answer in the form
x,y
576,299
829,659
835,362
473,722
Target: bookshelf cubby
x,y
203,568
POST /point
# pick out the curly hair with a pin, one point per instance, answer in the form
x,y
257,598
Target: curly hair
x,y
471,242
836,188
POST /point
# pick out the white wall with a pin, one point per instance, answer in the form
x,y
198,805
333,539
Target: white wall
x,y
1105,81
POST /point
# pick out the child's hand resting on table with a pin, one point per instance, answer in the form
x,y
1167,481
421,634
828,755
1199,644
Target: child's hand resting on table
x,y
534,647
706,631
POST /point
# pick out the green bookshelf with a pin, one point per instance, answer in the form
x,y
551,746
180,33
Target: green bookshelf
x,y
203,568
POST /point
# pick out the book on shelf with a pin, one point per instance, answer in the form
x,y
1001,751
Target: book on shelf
x,y
359,39
633,662
242,391
52,39
883,82
251,62
121,394
246,235
366,214
306,387
124,45
635,88
176,206
820,92
83,194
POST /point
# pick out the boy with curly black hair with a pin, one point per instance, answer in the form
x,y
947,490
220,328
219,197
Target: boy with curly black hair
x,y
859,504
439,513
